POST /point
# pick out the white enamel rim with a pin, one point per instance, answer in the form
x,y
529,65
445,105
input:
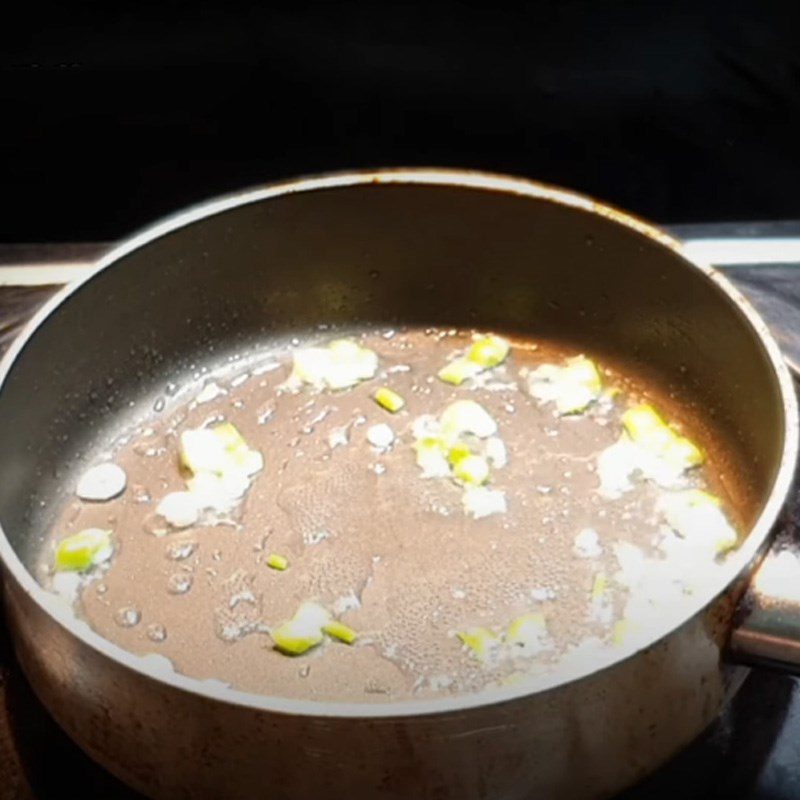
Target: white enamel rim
x,y
742,560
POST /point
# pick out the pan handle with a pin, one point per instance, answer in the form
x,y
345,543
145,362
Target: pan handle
x,y
766,630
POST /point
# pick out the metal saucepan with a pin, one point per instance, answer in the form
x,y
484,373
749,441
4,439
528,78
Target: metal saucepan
x,y
396,246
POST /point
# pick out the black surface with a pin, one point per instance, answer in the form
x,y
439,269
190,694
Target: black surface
x,y
681,110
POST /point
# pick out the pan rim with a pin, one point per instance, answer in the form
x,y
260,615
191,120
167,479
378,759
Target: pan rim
x,y
746,556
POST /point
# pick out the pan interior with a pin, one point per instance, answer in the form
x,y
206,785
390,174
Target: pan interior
x,y
230,287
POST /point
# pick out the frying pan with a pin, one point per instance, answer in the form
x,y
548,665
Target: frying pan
x,y
415,247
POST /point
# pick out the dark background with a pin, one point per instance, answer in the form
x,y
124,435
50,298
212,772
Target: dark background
x,y
111,116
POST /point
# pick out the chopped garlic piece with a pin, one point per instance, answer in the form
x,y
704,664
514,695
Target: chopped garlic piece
x,y
624,459
479,501
528,632
221,464
274,561
488,351
229,435
646,428
615,466
179,509
303,631
250,461
483,644
389,399
218,492
587,544
102,482
696,516
83,550
467,416
471,470
647,446
241,456
340,365
496,452
346,351
310,365
338,630
484,353
380,435
458,370
202,451
571,387
431,458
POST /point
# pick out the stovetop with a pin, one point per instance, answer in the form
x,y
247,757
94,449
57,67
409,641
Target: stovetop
x,y
751,751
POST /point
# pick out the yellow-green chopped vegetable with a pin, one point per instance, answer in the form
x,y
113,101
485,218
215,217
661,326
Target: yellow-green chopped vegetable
x,y
306,628
571,387
338,630
345,350
472,469
458,370
599,585
83,550
582,370
277,562
481,641
458,452
302,632
293,643
229,436
484,353
389,399
488,352
240,454
447,447
343,363
219,450
681,451
646,428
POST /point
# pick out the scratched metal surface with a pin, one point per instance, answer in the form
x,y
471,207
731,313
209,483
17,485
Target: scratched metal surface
x,y
751,751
